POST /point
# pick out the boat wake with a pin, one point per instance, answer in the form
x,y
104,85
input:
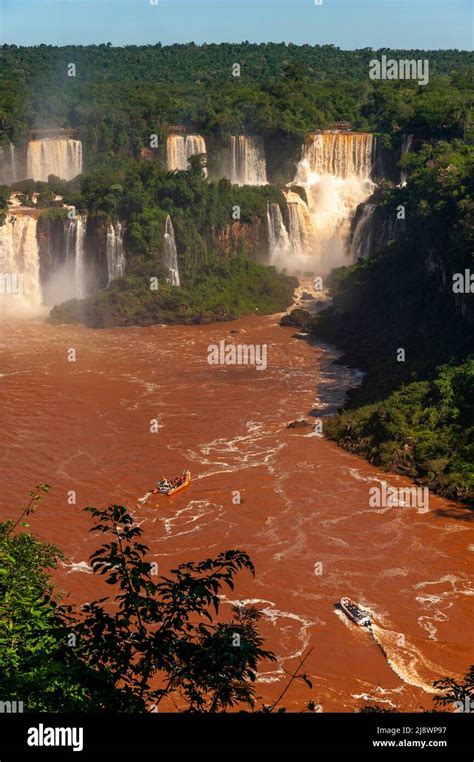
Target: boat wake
x,y
406,659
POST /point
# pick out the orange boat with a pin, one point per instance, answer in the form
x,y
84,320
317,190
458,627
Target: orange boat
x,y
169,488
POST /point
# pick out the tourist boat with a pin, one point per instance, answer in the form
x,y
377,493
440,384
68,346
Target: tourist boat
x,y
355,612
166,487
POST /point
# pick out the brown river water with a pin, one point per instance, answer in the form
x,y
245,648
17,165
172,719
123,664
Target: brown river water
x,y
304,515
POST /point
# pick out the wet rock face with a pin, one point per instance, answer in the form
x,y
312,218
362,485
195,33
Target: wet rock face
x,y
248,238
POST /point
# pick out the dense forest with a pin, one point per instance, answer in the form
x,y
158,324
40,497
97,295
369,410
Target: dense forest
x,y
119,96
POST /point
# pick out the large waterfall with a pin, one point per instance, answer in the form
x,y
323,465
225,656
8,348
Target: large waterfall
x,y
247,165
340,154
54,156
19,264
180,147
170,253
334,175
115,251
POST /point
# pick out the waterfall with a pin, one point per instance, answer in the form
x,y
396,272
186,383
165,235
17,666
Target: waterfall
x,y
77,257
9,172
248,165
362,237
180,147
79,264
57,156
19,264
278,239
407,142
334,172
373,228
69,275
115,251
341,154
170,253
287,243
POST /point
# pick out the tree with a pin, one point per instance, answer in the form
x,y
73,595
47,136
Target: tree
x,y
161,639
156,638
460,694
36,665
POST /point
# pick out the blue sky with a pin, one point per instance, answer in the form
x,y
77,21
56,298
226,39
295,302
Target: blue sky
x,y
345,23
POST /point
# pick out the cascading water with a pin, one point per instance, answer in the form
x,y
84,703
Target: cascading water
x,y
170,253
19,265
180,147
372,229
340,154
288,243
334,172
9,170
362,238
247,165
54,156
64,266
79,263
115,251
407,142
278,239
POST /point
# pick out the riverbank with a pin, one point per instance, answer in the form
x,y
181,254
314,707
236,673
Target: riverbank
x,y
422,429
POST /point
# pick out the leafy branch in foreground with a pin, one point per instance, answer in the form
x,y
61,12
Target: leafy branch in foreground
x,y
160,639
460,694
155,638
